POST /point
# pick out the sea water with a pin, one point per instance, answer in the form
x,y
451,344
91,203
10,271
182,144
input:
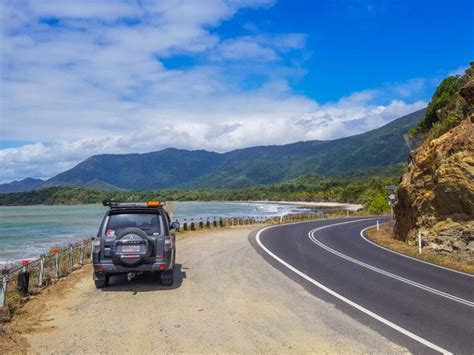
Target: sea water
x,y
28,231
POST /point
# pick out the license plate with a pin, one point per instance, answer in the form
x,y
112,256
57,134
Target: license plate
x,y
130,248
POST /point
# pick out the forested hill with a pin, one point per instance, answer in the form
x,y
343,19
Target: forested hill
x,y
174,168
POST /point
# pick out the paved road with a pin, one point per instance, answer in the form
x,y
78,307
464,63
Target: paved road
x,y
418,305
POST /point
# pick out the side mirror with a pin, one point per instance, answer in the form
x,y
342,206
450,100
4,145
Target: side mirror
x,y
92,238
175,225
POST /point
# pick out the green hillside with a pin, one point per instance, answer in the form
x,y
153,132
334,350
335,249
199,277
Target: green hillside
x,y
175,168
366,188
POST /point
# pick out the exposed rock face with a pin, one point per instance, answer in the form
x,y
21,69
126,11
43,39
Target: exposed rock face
x,y
467,92
436,195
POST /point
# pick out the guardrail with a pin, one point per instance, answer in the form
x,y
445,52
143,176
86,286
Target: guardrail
x,y
32,276
21,281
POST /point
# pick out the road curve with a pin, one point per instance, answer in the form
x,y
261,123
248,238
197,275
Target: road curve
x,y
418,305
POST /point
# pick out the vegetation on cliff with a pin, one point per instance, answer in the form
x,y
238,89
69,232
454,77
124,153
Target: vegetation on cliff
x,y
447,107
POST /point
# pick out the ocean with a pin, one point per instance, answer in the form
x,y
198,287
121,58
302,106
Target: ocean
x,y
28,231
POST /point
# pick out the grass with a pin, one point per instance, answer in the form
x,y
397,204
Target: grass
x,y
385,238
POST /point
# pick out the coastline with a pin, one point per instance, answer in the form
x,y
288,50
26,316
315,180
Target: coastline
x,y
307,204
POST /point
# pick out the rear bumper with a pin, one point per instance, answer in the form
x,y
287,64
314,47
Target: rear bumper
x,y
118,269
108,267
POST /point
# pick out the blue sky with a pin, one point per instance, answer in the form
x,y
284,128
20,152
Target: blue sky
x,y
88,77
355,45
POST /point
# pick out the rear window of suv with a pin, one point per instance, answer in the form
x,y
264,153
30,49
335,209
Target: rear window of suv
x,y
148,222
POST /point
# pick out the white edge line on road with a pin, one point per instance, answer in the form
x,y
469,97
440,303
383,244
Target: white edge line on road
x,y
348,301
312,237
410,257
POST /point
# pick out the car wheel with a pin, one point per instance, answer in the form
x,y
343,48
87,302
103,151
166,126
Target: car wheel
x,y
167,278
131,237
169,281
101,281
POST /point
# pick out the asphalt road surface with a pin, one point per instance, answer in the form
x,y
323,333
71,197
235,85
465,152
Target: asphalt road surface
x,y
420,306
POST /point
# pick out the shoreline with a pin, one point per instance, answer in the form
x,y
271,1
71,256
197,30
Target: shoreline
x,y
308,204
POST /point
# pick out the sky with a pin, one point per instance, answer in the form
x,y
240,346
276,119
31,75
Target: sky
x,y
88,77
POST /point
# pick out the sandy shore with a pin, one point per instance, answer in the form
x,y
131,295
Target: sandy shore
x,y
331,205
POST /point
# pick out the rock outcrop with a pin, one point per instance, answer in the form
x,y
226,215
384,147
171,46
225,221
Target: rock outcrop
x,y
436,195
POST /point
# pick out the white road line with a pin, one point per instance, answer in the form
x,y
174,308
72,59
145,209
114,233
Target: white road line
x,y
383,272
410,257
348,301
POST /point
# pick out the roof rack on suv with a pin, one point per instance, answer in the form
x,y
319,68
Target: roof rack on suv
x,y
116,204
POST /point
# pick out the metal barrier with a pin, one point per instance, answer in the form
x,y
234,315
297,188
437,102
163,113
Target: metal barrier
x,y
34,275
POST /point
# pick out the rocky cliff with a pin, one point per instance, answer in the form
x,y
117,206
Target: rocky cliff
x,y
436,195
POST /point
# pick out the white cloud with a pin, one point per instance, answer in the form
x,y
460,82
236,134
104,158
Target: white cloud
x,y
353,115
91,79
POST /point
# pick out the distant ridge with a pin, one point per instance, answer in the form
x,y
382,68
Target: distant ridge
x,y
24,185
178,168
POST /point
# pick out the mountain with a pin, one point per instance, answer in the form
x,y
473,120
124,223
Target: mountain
x,y
165,168
177,168
27,184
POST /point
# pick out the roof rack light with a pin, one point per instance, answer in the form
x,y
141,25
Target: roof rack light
x,y
153,203
110,203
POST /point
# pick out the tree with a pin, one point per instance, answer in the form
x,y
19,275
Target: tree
x,y
378,204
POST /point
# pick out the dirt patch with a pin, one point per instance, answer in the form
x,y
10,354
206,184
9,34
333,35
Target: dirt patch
x,y
31,316
385,237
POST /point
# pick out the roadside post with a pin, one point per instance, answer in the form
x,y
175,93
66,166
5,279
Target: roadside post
x,y
81,254
391,189
419,242
41,271
24,278
3,287
70,259
56,263
378,225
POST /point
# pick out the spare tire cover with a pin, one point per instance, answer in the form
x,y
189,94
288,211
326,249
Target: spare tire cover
x,y
131,246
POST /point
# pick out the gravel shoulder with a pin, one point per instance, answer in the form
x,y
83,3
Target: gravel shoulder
x,y
226,299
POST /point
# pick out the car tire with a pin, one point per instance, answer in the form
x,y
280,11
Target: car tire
x,y
168,279
117,257
101,282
